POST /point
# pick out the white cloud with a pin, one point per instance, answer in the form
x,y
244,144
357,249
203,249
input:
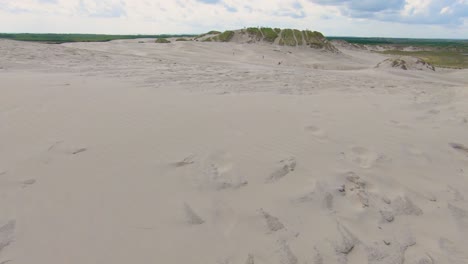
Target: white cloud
x,y
196,16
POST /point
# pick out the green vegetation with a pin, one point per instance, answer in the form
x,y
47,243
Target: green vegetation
x,y
225,36
255,32
269,34
314,38
298,35
287,37
182,39
440,58
212,32
64,38
278,30
432,43
447,53
162,41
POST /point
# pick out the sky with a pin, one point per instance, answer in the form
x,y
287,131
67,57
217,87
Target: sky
x,y
367,18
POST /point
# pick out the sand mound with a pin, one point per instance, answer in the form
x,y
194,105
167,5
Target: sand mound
x,y
406,63
282,37
347,45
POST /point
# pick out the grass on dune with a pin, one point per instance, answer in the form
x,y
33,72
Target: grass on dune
x,y
269,34
298,35
440,58
225,36
162,41
287,37
255,32
446,53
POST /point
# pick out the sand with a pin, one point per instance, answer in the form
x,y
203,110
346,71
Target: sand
x,y
190,152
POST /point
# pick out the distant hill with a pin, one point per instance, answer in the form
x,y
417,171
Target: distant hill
x,y
282,37
64,38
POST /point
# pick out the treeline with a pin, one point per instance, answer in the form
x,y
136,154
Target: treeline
x,y
63,38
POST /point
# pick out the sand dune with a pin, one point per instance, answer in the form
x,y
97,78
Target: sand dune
x,y
190,152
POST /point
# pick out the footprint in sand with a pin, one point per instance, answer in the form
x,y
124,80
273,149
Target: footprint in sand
x,y
317,132
185,162
191,217
6,234
78,151
62,147
405,206
364,157
356,187
286,166
250,259
29,182
399,124
346,242
390,251
417,155
322,196
460,215
460,148
220,173
452,251
456,194
273,223
286,254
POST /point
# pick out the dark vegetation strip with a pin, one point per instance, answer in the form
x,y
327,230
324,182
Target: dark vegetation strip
x,y
63,38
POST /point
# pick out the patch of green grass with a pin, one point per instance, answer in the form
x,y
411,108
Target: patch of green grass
x,y
446,44
182,39
287,37
225,36
440,58
314,38
269,34
162,41
64,38
278,30
255,32
212,32
298,35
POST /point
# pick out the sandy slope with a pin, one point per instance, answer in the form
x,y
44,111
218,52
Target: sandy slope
x,y
191,152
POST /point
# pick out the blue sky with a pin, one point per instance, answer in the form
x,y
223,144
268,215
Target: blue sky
x,y
382,18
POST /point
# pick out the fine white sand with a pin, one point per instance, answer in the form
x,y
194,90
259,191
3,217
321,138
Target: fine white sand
x,y
225,153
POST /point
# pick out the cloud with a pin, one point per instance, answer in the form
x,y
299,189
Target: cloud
x,y
422,18
209,1
107,9
446,12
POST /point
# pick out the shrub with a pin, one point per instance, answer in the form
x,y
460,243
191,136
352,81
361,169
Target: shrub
x,y
162,40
